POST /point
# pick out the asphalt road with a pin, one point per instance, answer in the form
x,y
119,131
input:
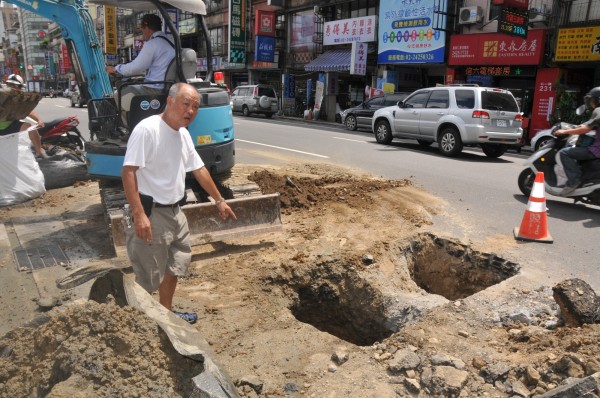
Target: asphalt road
x,y
483,198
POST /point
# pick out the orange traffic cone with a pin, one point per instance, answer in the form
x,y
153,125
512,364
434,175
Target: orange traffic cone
x,y
534,226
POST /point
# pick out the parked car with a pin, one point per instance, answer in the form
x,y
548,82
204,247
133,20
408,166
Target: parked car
x,y
77,98
254,98
454,116
362,114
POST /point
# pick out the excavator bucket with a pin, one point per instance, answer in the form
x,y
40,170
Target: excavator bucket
x,y
255,215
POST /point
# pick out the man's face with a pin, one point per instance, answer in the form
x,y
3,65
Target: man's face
x,y
183,108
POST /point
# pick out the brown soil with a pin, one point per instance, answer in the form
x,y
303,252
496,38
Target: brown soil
x,y
281,311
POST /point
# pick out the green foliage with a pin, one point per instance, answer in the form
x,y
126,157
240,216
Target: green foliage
x,y
566,104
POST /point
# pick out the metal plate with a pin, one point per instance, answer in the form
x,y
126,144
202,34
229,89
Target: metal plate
x,y
39,258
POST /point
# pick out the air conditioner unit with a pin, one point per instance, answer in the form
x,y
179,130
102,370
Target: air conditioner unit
x,y
470,15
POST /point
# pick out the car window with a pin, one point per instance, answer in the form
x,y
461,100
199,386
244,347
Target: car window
x,y
417,100
236,92
393,99
438,99
375,102
268,91
465,99
498,101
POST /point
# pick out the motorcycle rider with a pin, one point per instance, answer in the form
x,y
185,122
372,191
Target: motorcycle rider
x,y
570,156
13,126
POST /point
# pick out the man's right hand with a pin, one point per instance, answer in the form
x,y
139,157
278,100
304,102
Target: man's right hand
x,y
143,228
111,69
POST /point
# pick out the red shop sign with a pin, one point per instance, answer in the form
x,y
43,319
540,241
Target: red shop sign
x,y
497,49
544,99
520,4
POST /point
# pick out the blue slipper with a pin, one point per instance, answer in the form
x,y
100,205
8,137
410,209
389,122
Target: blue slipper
x,y
189,317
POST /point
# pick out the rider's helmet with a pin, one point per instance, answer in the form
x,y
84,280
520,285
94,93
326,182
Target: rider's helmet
x,y
15,81
594,94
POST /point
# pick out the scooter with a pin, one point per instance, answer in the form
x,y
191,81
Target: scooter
x,y
545,159
63,132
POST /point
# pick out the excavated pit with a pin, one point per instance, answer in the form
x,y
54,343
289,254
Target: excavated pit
x,y
333,296
452,269
336,300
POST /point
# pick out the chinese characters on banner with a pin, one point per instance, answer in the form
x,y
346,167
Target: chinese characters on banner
x,y
360,29
411,32
110,30
543,99
513,22
497,49
578,44
358,59
264,49
237,31
66,61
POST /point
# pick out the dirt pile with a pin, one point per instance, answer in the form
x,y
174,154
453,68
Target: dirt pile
x,y
93,350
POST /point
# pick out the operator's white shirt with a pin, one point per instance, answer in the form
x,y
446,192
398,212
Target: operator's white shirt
x,y
153,60
163,156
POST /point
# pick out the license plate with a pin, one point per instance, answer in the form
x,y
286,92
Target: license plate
x,y
203,139
501,123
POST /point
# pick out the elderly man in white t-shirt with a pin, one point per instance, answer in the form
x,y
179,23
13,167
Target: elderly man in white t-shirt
x,y
153,60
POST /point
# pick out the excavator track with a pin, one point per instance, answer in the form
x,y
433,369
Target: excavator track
x,y
257,213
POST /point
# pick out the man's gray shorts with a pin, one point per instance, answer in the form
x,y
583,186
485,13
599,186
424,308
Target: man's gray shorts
x,y
169,251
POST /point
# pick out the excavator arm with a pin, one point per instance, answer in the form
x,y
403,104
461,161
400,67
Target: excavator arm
x,y
81,40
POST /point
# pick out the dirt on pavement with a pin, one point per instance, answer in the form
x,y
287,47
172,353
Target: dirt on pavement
x,y
359,296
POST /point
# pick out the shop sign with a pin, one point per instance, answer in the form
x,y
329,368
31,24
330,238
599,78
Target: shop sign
x,y
201,63
264,48
187,26
65,57
501,71
578,44
174,17
412,33
289,86
351,30
544,99
237,29
497,49
519,4
358,59
264,24
513,22
110,30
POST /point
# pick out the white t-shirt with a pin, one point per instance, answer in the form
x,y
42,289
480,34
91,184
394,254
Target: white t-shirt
x,y
163,156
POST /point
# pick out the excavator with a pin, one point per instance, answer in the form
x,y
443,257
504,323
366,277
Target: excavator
x,y
212,131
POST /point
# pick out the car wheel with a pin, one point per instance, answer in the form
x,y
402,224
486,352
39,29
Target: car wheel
x,y
383,133
450,142
246,111
525,181
493,150
268,115
350,122
543,142
424,143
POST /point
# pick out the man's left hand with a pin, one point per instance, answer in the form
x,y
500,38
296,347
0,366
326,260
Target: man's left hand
x,y
225,211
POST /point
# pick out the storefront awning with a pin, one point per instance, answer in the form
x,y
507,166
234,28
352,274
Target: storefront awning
x,y
330,61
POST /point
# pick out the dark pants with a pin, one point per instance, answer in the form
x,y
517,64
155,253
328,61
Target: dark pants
x,y
569,158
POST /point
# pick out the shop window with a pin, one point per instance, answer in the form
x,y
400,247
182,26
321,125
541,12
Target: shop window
x,y
439,99
495,11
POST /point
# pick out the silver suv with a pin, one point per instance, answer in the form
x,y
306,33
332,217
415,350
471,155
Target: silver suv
x,y
453,116
254,98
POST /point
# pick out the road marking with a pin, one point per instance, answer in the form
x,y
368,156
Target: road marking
x,y
284,149
348,139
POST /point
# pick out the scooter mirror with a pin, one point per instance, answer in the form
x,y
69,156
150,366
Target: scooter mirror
x,y
580,110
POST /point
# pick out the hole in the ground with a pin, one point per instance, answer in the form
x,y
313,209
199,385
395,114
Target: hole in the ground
x,y
335,298
337,301
452,269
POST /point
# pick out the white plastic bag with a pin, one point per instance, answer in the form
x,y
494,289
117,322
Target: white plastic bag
x,y
20,176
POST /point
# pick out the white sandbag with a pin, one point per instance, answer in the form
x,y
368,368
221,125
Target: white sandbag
x,y
20,176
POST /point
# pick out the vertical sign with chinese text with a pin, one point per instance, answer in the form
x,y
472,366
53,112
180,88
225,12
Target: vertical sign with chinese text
x,y
544,99
264,49
110,30
358,59
264,24
237,32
